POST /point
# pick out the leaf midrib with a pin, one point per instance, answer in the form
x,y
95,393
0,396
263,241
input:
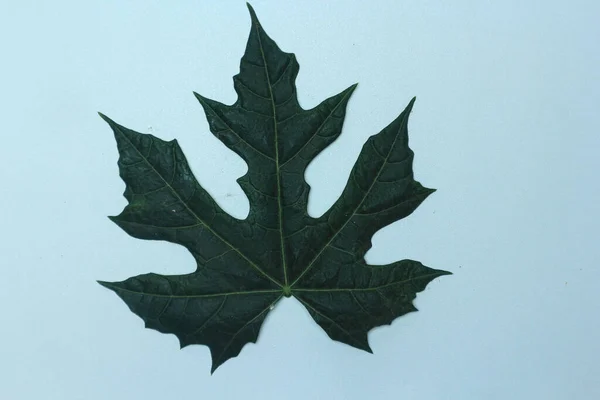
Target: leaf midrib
x,y
368,289
277,167
190,296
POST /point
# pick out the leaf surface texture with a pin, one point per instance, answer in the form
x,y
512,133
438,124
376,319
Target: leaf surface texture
x,y
246,266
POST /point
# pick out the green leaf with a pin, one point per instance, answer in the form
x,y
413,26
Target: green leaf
x,y
246,266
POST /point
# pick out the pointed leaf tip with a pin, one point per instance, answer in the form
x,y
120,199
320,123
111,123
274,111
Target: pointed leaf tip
x,y
104,283
106,119
252,12
352,88
199,97
441,272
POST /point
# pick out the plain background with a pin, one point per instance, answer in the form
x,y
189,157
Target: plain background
x,y
506,127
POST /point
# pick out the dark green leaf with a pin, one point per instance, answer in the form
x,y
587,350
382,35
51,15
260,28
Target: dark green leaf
x,y
246,266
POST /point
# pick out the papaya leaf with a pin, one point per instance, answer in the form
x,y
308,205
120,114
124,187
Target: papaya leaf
x,y
244,267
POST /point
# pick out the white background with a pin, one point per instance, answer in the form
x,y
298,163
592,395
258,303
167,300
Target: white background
x,y
506,127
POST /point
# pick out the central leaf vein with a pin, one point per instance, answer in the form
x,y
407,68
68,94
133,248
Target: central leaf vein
x,y
277,171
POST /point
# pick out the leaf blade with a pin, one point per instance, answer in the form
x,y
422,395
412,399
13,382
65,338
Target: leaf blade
x,y
196,206
197,319
364,297
245,266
